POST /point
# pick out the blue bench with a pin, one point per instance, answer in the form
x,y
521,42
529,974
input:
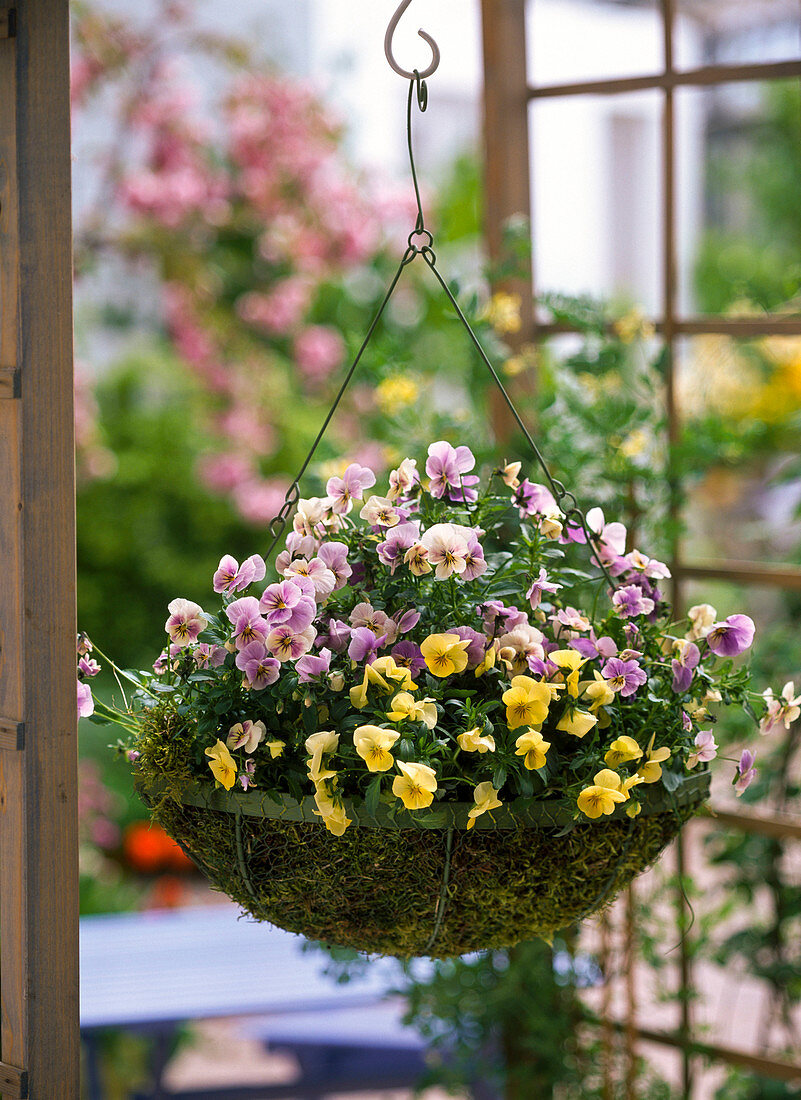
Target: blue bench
x,y
151,972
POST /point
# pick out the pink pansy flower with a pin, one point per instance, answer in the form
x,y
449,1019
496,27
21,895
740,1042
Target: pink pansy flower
x,y
364,614
310,667
244,615
448,467
686,721
86,704
572,619
475,563
209,656
297,546
408,620
403,480
594,647
342,491
705,749
233,577
318,573
521,645
186,621
246,735
746,772
399,539
533,499
364,644
286,644
447,549
278,601
246,778
83,645
650,567
259,667
335,556
623,676
88,666
310,516
687,657
380,512
782,711
629,601
498,617
336,635
540,586
734,635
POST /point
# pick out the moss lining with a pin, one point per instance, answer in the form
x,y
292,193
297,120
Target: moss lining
x,y
377,890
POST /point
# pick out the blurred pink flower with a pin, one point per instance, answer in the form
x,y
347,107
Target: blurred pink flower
x,y
319,350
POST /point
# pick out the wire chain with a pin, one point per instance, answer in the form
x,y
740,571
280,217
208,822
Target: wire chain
x,y
565,500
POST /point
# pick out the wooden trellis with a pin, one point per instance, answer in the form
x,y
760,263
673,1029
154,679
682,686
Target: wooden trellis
x,y
39,1046
508,92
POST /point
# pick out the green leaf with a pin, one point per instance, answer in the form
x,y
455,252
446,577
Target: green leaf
x,y
373,796
671,779
499,777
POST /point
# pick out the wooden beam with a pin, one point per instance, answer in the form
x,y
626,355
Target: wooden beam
x,y
776,826
38,785
742,572
13,1082
506,163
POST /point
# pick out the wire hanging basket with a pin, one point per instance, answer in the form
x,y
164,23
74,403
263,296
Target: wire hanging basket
x,y
436,876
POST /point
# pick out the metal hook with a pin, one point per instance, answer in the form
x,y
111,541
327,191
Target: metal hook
x,y
432,68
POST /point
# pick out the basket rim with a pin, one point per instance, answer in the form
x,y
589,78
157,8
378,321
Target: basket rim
x,y
520,812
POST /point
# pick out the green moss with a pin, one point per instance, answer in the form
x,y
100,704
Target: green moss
x,y
378,890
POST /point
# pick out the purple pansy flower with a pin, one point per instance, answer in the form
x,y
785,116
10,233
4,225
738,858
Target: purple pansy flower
x,y
746,772
259,667
683,665
409,655
86,704
279,601
532,499
399,539
498,618
311,666
448,467
245,616
475,563
630,601
623,676
705,749
539,586
734,635
476,644
364,644
594,646
344,490
336,635
335,556
88,666
233,577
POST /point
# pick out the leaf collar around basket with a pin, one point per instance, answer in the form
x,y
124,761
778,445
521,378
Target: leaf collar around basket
x,y
519,813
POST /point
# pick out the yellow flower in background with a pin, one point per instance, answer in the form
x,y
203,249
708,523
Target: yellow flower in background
x,y
373,743
527,702
222,764
486,798
396,392
444,654
598,691
621,751
632,325
633,809
594,801
319,745
577,722
473,741
634,444
415,785
651,770
276,748
533,747
406,706
487,661
503,312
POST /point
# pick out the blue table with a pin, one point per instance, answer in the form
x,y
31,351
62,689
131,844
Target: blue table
x,y
155,970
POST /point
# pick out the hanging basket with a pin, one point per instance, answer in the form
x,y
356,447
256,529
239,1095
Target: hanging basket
x,y
423,885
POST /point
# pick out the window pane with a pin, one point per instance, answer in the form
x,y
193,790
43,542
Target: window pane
x,y
730,32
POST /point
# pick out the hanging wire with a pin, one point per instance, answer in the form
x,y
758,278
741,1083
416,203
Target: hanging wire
x,y
565,500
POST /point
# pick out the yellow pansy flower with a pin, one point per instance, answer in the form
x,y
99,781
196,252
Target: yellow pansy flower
x,y
222,764
472,741
569,661
533,747
577,722
333,814
594,801
598,691
372,743
487,661
633,809
276,748
651,769
405,705
400,674
445,654
527,702
621,751
486,798
415,785
317,746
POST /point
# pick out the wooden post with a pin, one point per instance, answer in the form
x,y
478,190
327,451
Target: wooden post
x,y
39,1041
506,159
